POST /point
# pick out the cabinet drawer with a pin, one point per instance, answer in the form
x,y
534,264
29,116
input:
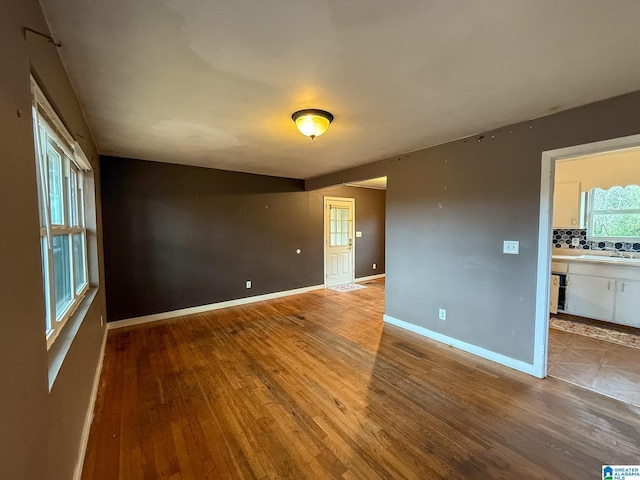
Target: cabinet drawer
x,y
600,270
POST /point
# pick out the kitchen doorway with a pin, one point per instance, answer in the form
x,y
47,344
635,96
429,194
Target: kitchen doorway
x,y
568,346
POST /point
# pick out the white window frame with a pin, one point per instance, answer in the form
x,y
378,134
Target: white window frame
x,y
590,220
50,133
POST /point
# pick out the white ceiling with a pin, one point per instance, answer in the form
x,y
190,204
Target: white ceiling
x,y
214,82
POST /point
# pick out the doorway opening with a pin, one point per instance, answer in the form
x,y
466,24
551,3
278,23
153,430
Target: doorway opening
x,y
358,237
364,230
582,305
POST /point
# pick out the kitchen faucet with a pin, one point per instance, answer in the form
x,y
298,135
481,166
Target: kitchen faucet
x,y
615,253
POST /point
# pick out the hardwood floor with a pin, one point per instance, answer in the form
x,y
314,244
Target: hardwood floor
x,y
315,386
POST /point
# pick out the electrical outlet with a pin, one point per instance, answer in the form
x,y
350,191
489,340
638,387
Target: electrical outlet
x,y
374,266
248,283
512,247
442,314
575,242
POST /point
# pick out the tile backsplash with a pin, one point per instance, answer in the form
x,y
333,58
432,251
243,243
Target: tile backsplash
x,y
562,239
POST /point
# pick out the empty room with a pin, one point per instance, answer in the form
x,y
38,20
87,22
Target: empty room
x,y
314,240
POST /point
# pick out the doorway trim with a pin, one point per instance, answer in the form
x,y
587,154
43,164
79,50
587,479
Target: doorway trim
x,y
545,229
352,229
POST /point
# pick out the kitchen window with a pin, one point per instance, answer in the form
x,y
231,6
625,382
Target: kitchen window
x,y
614,214
61,168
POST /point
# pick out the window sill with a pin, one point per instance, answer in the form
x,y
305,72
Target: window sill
x,y
59,349
631,240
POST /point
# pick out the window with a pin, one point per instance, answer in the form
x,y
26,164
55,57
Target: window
x,y
339,226
614,214
63,235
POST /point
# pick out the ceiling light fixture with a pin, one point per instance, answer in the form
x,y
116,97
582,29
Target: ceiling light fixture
x,y
312,122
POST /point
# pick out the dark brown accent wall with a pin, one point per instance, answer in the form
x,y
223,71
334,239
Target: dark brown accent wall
x,y
178,236
40,430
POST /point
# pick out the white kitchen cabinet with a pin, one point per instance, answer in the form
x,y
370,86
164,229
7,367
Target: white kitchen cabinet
x,y
591,297
627,305
604,292
554,295
566,205
558,293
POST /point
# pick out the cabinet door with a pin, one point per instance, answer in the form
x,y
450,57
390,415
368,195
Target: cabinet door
x,y
566,205
554,294
628,303
591,297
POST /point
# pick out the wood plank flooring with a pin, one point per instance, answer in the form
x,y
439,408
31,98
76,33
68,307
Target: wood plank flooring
x,y
315,386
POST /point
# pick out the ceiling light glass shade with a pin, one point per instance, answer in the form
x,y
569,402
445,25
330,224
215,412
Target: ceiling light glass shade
x,y
312,122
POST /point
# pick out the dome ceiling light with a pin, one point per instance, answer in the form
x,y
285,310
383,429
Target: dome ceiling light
x,y
312,122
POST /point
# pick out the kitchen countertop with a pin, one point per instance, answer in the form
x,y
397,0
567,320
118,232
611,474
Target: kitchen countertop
x,y
602,259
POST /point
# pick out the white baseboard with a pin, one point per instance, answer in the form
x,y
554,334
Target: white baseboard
x,y
207,308
370,277
84,439
467,347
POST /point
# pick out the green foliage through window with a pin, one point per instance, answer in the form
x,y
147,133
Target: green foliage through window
x,y
615,213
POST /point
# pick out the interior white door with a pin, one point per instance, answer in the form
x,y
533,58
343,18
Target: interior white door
x,y
339,247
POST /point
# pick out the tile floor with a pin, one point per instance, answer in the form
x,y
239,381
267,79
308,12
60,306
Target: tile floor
x,y
604,367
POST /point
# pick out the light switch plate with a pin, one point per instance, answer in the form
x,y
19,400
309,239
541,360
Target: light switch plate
x,y
511,247
358,234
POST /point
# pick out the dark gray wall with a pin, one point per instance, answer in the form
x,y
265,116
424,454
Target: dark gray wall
x,y
40,431
178,236
450,207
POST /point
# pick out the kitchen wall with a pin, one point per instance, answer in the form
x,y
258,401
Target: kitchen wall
x,y
40,429
450,207
603,171
178,236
